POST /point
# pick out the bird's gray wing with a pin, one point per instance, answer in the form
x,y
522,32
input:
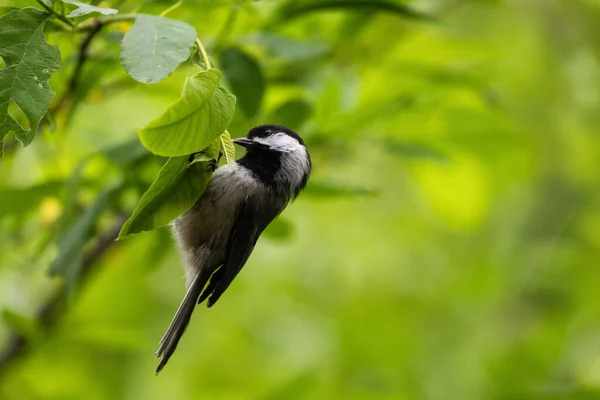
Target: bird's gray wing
x,y
252,217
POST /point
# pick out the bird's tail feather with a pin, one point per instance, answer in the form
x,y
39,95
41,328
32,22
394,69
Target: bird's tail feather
x,y
169,342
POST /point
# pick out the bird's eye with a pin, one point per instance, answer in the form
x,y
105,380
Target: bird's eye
x,y
268,132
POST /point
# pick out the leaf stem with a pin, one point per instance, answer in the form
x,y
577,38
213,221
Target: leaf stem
x,y
173,7
204,54
57,15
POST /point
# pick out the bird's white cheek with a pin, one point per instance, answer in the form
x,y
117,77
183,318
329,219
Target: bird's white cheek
x,y
294,166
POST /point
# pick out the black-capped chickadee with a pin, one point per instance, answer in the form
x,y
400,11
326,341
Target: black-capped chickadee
x,y
217,235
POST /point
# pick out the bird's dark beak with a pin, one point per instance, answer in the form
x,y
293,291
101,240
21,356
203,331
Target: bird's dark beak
x,y
244,142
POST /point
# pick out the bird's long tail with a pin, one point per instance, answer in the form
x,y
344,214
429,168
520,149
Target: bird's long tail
x,y
169,342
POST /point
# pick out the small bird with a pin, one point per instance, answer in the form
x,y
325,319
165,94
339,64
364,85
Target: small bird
x,y
217,235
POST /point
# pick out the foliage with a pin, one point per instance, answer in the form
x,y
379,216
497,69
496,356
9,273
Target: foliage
x,y
155,46
194,121
85,9
179,184
24,80
446,245
246,79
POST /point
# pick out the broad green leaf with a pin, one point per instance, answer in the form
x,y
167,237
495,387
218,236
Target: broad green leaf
x,y
292,114
214,148
72,189
246,79
155,46
24,80
178,185
85,9
70,244
227,147
188,126
336,189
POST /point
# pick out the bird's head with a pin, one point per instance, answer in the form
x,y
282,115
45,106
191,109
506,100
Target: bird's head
x,y
272,138
277,155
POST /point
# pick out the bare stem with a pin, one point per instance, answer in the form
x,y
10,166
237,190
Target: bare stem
x,y
204,54
58,16
82,57
172,8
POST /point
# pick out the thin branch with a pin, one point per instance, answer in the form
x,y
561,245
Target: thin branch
x,y
56,305
57,15
82,57
172,8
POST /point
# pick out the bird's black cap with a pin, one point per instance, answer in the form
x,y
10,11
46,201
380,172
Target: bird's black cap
x,y
263,131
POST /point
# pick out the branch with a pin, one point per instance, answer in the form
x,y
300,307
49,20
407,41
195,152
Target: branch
x,y
92,27
62,18
56,305
82,57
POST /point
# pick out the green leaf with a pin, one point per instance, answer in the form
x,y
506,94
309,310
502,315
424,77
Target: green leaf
x,y
227,147
292,114
72,188
70,244
24,80
294,9
188,126
178,185
155,46
336,189
212,151
85,9
246,79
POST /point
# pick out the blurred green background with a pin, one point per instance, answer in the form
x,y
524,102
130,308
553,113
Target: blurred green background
x,y
448,246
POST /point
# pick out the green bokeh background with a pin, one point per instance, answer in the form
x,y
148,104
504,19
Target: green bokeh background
x,y
449,247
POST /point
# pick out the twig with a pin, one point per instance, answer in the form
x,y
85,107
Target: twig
x,y
82,57
55,306
58,16
172,8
